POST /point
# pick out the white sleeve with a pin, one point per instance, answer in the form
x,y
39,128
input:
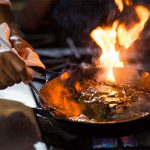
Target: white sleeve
x,y
4,34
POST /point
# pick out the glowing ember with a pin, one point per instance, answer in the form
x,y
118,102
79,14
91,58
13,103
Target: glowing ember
x,y
77,86
128,2
65,76
107,37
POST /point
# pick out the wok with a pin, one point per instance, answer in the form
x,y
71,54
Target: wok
x,y
104,128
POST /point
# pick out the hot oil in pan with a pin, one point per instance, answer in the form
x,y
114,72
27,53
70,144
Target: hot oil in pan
x,y
106,101
85,96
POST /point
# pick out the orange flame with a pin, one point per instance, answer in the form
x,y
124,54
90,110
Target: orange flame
x,y
128,2
77,86
127,37
65,76
120,4
108,37
59,96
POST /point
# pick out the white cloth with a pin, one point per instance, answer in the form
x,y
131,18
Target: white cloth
x,y
19,92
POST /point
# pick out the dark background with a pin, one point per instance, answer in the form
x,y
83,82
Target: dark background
x,y
48,23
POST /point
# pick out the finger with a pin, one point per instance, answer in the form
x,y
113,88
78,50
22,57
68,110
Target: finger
x,y
17,64
7,66
9,69
5,79
16,52
25,76
21,49
2,86
23,72
12,73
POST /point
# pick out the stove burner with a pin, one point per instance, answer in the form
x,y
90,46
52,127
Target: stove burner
x,y
105,143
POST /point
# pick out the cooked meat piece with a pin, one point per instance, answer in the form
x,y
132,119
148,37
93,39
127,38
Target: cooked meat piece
x,y
109,101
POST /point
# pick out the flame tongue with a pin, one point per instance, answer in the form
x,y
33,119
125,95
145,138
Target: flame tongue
x,y
120,4
108,37
127,37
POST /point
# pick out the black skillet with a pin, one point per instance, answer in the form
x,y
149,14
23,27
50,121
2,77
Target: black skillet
x,y
101,129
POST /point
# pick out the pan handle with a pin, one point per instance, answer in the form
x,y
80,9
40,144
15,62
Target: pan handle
x,y
41,112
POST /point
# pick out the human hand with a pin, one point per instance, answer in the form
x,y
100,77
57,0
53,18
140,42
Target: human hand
x,y
14,64
26,51
13,70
